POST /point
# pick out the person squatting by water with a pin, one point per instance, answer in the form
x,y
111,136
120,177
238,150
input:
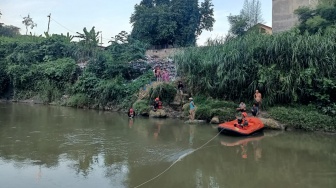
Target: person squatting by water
x,y
242,107
254,110
192,109
257,100
157,104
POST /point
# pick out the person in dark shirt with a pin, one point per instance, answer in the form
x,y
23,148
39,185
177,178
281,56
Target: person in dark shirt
x,y
254,110
180,88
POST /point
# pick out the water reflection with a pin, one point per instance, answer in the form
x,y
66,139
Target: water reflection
x,y
243,144
63,147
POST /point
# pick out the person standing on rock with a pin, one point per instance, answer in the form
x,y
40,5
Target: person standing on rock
x,y
257,100
192,109
180,90
165,76
157,73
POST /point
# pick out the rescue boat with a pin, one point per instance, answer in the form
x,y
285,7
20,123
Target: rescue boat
x,y
255,125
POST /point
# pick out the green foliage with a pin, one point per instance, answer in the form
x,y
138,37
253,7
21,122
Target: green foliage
x,y
46,68
141,107
238,25
207,108
9,30
173,22
234,69
50,79
79,100
165,92
28,22
249,16
4,78
303,118
318,19
124,48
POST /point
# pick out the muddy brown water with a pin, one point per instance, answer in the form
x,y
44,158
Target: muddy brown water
x,y
58,147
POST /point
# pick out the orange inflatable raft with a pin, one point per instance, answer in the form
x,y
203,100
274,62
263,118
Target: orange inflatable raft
x,y
233,128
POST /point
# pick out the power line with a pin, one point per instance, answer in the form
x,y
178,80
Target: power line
x,y
102,39
62,25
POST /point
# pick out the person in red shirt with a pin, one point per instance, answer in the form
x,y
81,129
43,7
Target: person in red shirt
x,y
131,113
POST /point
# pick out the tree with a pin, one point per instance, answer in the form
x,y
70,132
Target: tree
x,y
147,3
175,22
252,12
238,25
88,45
321,18
124,48
161,2
249,16
9,30
28,22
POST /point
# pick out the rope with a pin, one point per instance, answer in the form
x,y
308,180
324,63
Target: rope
x,y
180,158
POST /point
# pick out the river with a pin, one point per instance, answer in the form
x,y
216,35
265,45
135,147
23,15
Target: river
x,y
58,147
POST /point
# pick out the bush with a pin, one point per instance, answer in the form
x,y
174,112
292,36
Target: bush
x,y
303,118
141,107
166,93
208,108
79,100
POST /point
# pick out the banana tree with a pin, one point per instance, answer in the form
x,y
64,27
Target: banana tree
x,y
88,44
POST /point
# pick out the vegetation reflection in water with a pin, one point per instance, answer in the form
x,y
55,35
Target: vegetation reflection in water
x,y
62,147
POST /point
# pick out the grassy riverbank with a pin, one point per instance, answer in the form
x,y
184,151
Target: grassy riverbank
x,y
288,68
302,117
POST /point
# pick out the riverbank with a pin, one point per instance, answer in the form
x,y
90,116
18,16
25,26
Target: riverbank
x,y
305,118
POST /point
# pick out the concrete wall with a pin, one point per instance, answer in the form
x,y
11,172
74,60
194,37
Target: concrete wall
x,y
283,13
164,53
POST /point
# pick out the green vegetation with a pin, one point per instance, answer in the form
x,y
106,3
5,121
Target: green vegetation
x,y
176,22
303,117
209,107
47,68
320,19
286,68
249,16
294,67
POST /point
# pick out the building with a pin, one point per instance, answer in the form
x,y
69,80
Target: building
x,y
283,17
261,28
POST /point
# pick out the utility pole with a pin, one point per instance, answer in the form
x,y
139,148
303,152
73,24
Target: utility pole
x,y
101,38
48,22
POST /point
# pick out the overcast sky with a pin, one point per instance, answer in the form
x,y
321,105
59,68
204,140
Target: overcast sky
x,y
108,16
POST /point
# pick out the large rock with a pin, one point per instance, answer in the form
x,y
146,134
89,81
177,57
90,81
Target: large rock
x,y
159,113
271,124
215,120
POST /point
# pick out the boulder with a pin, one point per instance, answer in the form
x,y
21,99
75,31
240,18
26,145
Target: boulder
x,y
159,113
271,124
215,120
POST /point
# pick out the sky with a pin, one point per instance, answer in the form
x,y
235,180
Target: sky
x,y
108,16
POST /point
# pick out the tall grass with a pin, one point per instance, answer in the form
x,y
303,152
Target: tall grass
x,y
286,67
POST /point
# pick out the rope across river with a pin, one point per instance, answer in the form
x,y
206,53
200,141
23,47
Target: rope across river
x,y
177,160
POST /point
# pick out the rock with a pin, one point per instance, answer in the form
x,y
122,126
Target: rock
x,y
144,113
271,124
215,120
159,113
195,121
